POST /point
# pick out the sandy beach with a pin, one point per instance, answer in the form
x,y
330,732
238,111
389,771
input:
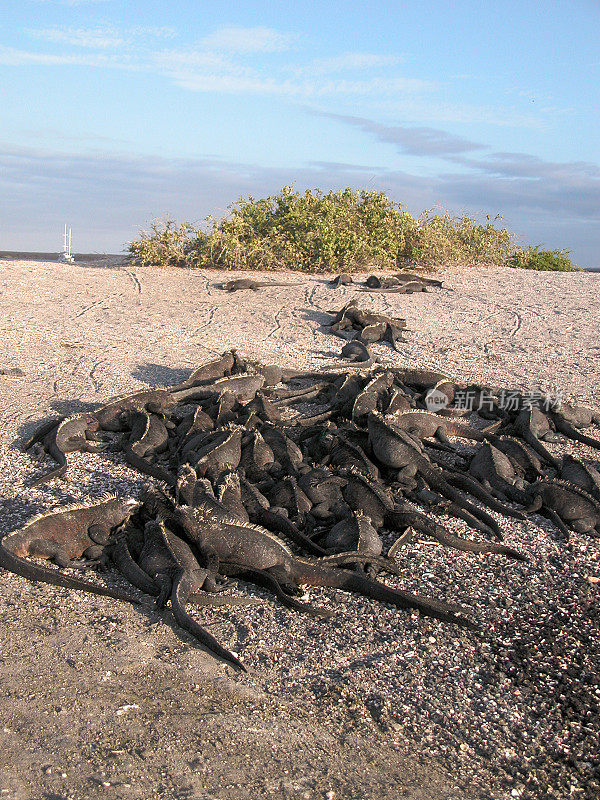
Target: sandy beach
x,y
102,699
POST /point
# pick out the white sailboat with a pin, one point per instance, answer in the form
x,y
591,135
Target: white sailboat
x,y
66,254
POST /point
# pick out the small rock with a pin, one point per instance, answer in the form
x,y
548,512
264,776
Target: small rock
x,y
124,709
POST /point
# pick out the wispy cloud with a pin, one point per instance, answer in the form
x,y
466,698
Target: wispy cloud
x,y
348,62
226,61
523,165
415,141
97,38
70,2
101,37
12,57
252,82
249,40
219,62
493,180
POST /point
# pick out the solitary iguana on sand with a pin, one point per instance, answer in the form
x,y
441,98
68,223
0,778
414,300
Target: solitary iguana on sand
x,y
249,283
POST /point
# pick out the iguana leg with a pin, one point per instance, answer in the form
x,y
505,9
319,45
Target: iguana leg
x,y
99,533
165,584
43,548
355,557
442,436
94,553
122,559
554,517
470,485
273,582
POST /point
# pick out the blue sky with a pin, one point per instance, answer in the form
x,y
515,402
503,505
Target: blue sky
x,y
114,113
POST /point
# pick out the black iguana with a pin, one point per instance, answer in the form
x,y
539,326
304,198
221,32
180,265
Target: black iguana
x,y
62,535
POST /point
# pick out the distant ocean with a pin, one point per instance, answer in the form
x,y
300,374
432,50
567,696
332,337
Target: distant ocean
x,y
38,256
100,256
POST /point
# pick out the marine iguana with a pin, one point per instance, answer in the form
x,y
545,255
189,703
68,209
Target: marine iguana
x,y
324,490
496,472
257,456
42,430
354,533
229,494
198,421
343,279
366,322
70,435
368,497
578,416
262,409
524,459
368,399
170,563
61,535
344,453
393,284
287,494
222,454
286,452
394,447
250,283
260,513
230,545
412,276
570,505
562,424
532,425
244,388
210,371
115,415
225,406
149,437
583,475
425,425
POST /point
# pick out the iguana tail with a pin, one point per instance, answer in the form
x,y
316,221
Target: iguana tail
x,y
57,472
35,572
183,586
154,470
409,517
572,433
306,572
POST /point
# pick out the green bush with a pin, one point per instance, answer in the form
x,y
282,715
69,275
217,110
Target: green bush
x,y
536,258
167,244
347,230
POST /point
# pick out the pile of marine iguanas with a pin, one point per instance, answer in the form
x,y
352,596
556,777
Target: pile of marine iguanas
x,y
247,485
